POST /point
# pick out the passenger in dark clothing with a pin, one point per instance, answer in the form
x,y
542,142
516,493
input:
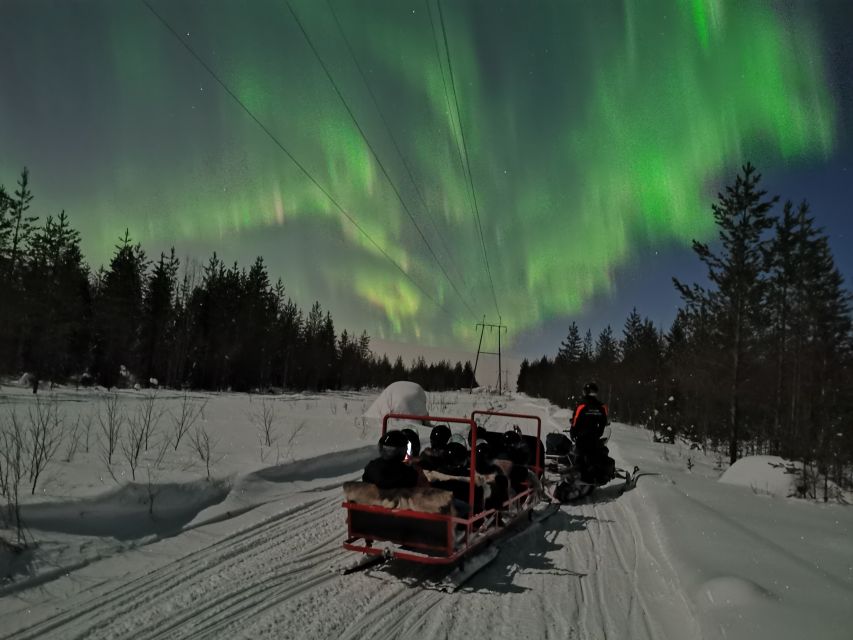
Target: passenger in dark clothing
x,y
486,466
433,457
390,474
388,471
415,449
456,464
515,451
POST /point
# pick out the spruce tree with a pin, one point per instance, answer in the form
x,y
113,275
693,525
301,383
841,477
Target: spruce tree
x,y
736,272
157,324
57,301
117,310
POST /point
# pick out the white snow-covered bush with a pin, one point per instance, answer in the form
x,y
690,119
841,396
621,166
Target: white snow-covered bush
x,y
399,397
766,474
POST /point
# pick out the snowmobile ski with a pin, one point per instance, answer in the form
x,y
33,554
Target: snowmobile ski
x,y
471,566
465,571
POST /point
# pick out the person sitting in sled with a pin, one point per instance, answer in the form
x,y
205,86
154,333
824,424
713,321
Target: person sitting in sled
x,y
434,456
499,486
512,459
389,471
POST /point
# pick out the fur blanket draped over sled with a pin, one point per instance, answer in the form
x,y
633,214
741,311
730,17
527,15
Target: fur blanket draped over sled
x,y
424,499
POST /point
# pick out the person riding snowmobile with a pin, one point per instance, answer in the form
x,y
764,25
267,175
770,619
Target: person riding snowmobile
x,y
588,422
589,418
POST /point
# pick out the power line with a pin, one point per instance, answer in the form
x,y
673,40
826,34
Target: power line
x,y
467,158
394,141
293,159
447,102
378,160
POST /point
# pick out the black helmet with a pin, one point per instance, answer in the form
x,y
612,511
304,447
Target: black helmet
x,y
414,440
484,457
512,439
480,435
393,445
439,436
457,453
590,389
484,451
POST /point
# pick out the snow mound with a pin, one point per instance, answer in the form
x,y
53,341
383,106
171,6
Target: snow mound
x,y
399,397
767,474
123,514
730,591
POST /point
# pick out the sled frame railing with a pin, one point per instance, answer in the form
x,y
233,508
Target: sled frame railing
x,y
479,527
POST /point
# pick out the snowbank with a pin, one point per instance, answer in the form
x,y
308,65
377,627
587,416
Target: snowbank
x,y
399,397
767,474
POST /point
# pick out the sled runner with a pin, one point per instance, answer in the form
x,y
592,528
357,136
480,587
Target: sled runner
x,y
430,525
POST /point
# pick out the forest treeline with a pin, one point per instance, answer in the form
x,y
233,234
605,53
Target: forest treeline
x,y
758,360
138,321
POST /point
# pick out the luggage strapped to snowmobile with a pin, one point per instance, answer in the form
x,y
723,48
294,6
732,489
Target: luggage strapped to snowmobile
x,y
441,538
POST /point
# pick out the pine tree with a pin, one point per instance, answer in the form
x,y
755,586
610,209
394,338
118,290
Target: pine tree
x,y
157,324
737,274
117,310
15,231
57,301
571,348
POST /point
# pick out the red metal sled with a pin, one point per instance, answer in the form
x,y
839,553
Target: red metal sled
x,y
435,538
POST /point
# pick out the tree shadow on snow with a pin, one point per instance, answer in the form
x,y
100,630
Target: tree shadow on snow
x,y
15,562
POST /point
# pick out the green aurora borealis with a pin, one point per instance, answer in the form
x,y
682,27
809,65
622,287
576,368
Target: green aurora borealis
x,y
593,129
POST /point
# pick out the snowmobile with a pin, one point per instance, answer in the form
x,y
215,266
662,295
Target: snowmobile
x,y
432,526
571,474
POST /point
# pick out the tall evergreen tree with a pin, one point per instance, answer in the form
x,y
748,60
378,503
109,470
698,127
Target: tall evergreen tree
x,y
57,303
737,275
16,229
117,310
157,324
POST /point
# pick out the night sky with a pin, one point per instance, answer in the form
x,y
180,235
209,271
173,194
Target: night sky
x,y
597,135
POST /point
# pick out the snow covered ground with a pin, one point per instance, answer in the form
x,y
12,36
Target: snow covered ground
x,y
248,553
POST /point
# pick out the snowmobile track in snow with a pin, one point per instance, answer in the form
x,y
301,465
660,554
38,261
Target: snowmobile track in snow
x,y
575,574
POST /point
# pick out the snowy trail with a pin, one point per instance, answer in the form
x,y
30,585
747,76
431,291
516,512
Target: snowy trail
x,y
574,575
679,556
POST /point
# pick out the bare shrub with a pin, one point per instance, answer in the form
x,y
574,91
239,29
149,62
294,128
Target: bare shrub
x,y
149,415
203,446
132,441
110,419
87,430
44,437
291,440
188,413
265,421
74,436
13,460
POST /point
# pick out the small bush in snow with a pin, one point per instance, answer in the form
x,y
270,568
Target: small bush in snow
x,y
188,413
264,419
